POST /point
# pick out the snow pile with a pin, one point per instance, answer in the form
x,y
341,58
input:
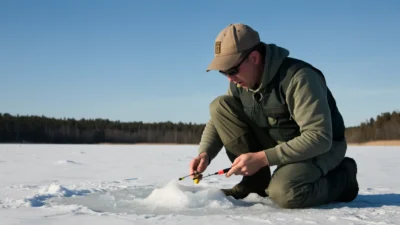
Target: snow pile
x,y
51,191
178,197
56,190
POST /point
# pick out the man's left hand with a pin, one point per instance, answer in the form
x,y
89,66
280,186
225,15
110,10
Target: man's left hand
x,y
247,164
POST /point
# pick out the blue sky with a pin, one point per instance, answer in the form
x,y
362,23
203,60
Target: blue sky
x,y
146,60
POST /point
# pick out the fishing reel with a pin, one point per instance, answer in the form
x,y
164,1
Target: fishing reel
x,y
197,177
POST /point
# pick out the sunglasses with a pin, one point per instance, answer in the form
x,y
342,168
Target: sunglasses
x,y
235,70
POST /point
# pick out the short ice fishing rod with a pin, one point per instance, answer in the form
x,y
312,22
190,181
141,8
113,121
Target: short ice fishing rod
x,y
198,176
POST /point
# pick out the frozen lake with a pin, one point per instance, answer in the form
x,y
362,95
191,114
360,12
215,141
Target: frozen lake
x,y
138,184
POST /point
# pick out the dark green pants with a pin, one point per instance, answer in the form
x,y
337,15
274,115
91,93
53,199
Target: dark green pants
x,y
296,185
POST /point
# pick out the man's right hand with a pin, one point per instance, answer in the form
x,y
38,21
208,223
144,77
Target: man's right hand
x,y
199,163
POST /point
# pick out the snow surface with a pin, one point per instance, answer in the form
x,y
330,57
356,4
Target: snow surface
x,y
138,184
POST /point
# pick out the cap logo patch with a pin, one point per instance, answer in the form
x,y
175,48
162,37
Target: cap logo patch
x,y
217,47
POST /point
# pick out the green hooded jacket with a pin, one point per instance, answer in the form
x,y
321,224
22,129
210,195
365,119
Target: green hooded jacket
x,y
308,105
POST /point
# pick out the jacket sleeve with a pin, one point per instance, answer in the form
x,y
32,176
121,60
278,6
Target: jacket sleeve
x,y
306,97
210,141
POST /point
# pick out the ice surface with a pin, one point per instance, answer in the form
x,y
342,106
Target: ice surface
x,y
138,184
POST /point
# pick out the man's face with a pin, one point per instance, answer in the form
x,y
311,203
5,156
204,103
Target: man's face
x,y
245,72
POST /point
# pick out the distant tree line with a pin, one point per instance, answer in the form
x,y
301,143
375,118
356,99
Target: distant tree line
x,y
35,129
41,129
385,126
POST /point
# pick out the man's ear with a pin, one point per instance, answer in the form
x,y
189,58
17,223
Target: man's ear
x,y
255,57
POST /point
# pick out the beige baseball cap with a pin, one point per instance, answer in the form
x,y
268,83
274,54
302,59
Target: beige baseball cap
x,y
231,44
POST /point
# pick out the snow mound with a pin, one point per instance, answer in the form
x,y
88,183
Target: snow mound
x,y
51,191
177,197
57,190
171,198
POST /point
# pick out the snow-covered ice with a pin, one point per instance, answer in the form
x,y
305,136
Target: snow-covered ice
x,y
138,184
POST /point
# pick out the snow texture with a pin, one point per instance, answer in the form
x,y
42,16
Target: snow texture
x,y
138,184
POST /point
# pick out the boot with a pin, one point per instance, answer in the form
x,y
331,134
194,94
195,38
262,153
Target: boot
x,y
256,183
343,181
351,189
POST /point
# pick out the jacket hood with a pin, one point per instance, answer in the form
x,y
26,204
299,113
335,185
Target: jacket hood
x,y
274,55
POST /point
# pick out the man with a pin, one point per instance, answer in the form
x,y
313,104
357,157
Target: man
x,y
279,112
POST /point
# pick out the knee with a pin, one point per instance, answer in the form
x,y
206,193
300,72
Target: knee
x,y
286,196
222,103
280,196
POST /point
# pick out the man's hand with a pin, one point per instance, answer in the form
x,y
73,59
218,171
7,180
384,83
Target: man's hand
x,y
248,164
198,163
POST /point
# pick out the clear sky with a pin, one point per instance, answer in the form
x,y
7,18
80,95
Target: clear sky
x,y
146,60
